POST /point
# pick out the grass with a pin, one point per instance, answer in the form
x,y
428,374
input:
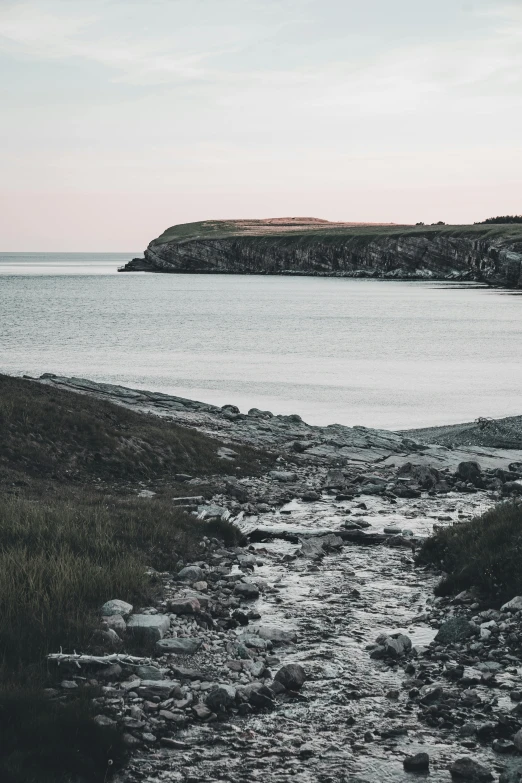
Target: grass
x,y
484,553
54,433
256,230
74,534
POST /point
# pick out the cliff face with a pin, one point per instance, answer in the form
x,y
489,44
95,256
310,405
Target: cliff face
x,y
492,255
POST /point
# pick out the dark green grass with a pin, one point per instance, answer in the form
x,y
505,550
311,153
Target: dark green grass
x,y
484,553
53,433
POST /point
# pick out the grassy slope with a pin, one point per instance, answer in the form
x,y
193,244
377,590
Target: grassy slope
x,y
485,553
221,229
73,534
53,433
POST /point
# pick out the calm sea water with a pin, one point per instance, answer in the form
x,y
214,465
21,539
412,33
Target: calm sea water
x,y
384,354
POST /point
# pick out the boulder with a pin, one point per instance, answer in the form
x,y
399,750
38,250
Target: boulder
x,y
292,676
424,476
517,740
148,627
420,762
247,590
454,630
221,698
184,606
116,607
467,769
178,646
470,472
191,574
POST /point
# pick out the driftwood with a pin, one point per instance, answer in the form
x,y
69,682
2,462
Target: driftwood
x,y
103,660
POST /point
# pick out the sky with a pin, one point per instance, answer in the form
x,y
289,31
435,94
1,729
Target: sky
x,y
120,118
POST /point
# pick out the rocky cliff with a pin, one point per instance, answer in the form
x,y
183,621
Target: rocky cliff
x,y
308,246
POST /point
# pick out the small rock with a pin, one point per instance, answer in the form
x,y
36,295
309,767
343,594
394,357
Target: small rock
x,y
191,574
247,590
420,762
179,646
184,606
148,627
116,607
222,698
515,605
467,769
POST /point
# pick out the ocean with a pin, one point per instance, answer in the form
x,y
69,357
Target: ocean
x,y
375,353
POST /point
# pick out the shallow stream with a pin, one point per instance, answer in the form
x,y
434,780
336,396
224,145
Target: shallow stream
x,y
338,605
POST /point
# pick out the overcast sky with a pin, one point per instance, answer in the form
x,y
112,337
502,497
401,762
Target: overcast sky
x,y
122,117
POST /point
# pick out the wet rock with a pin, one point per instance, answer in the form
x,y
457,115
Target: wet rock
x,y
253,641
513,774
454,630
404,491
116,607
420,762
467,769
191,574
292,676
221,698
394,646
309,496
148,627
184,606
424,476
470,472
178,646
247,590
201,711
276,635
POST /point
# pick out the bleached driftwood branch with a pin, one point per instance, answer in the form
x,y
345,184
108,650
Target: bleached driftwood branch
x,y
78,659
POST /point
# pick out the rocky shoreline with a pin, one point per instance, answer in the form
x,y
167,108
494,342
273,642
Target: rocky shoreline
x,y
316,650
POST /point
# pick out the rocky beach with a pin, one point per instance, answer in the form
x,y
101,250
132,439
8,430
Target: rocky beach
x,y
314,647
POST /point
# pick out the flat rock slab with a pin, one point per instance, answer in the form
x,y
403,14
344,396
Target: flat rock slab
x,y
178,646
148,627
276,635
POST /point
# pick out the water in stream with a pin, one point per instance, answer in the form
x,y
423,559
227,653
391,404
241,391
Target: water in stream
x,y
338,606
